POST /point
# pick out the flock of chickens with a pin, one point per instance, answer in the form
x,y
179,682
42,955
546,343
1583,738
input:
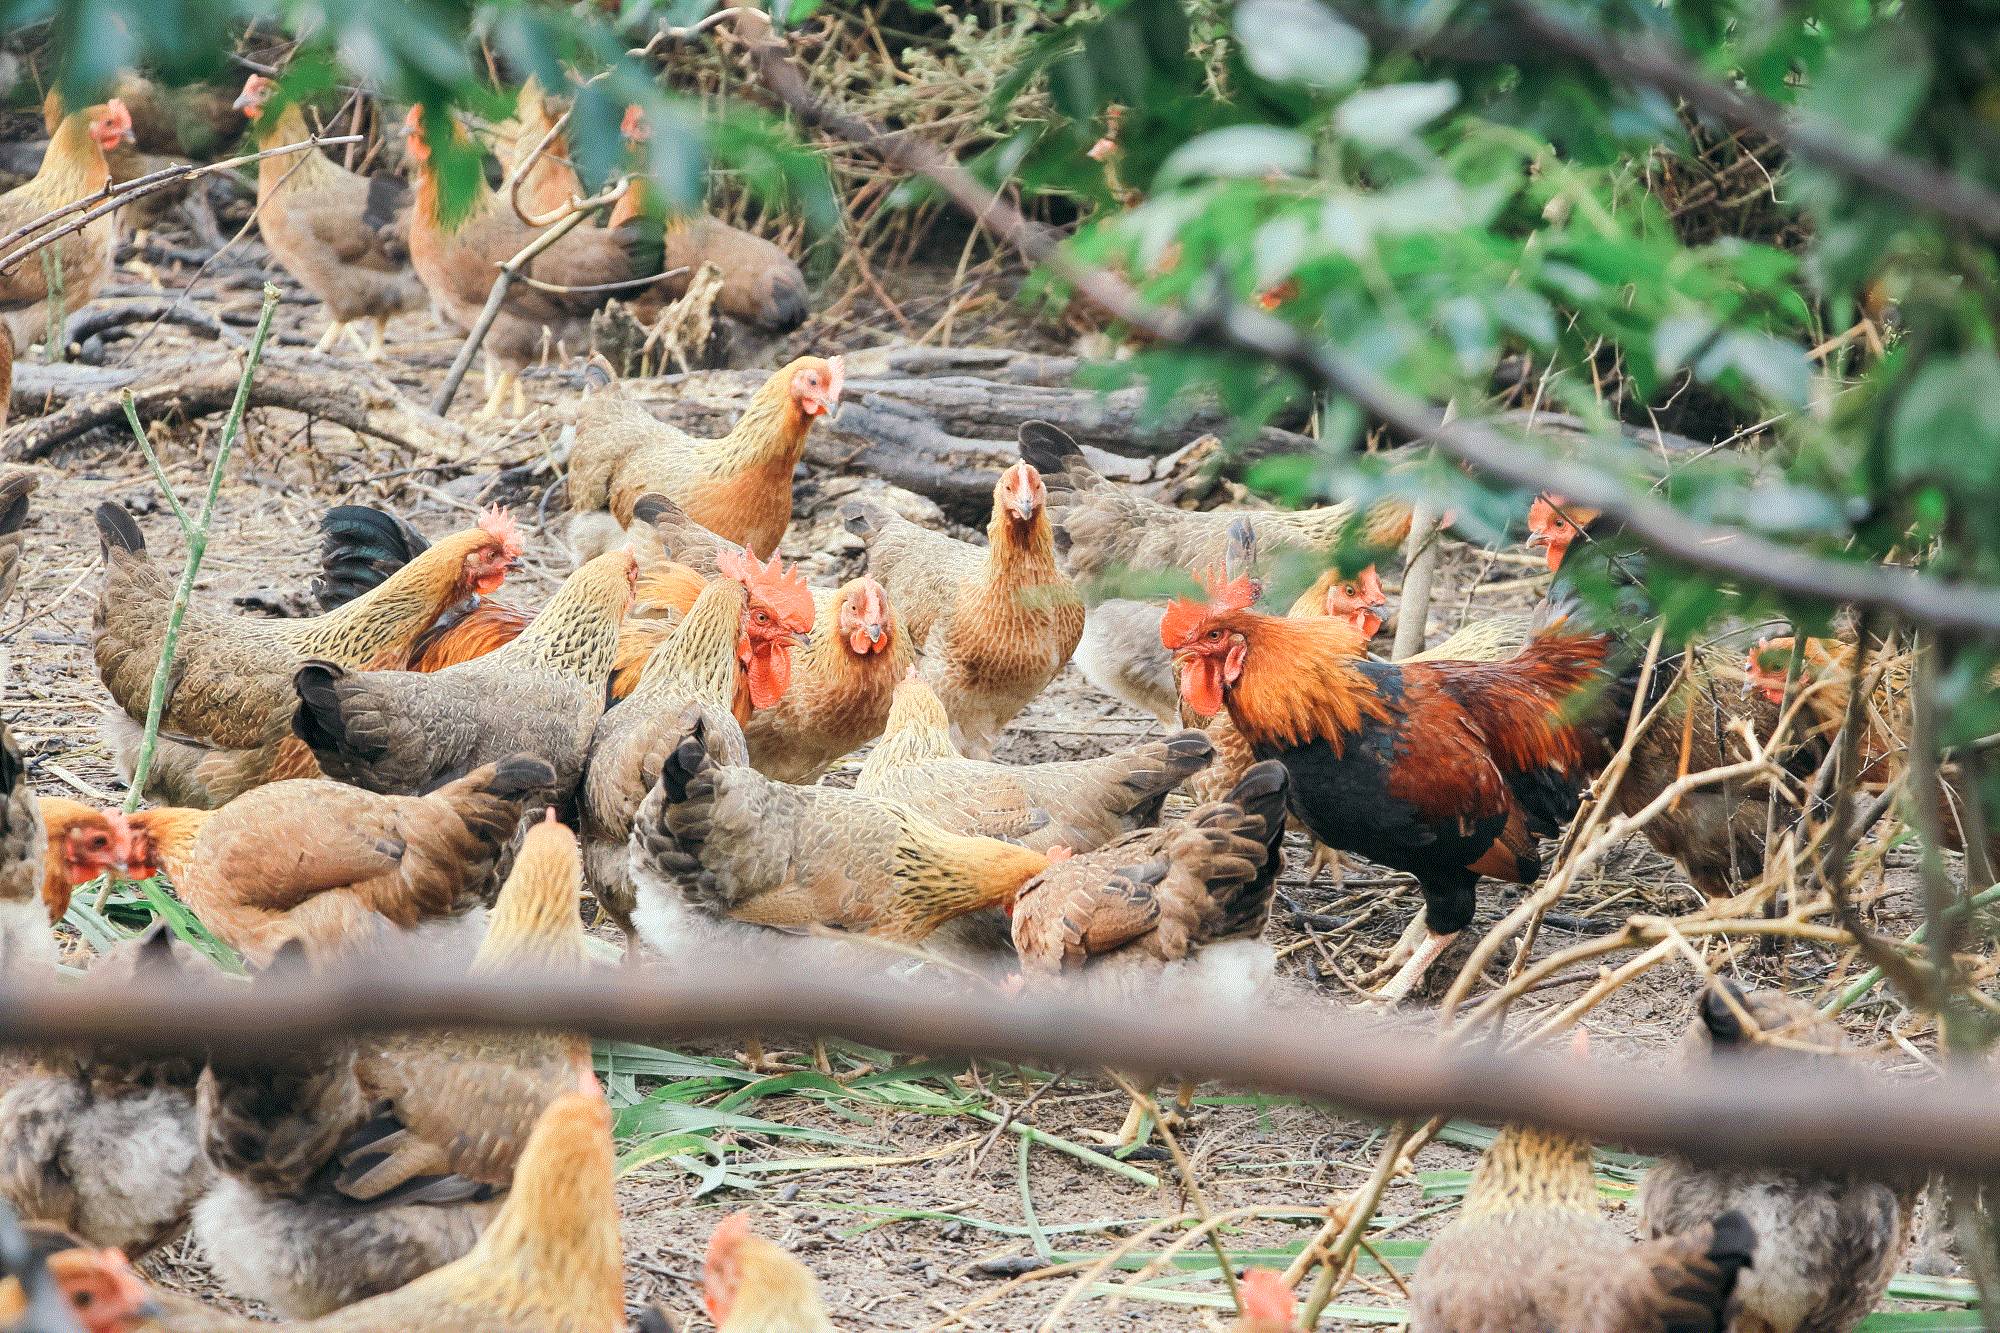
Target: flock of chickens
x,y
427,767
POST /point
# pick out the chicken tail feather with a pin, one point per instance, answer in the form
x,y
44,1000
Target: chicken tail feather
x,y
359,547
1051,451
1696,1274
117,530
321,720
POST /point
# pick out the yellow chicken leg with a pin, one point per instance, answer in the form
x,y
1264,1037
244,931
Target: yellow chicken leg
x,y
1426,953
331,336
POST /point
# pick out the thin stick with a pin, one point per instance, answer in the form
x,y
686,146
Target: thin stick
x,y
117,197
131,407
1420,562
197,545
1186,1168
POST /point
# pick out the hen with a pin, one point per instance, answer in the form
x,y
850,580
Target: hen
x,y
739,487
83,843
753,1285
457,261
731,654
1530,1249
360,547
68,1127
30,879
994,626
550,1262
1827,1244
16,485
73,168
723,856
841,690
354,1173
231,686
1080,804
102,1293
344,236
309,859
1448,771
406,731
550,184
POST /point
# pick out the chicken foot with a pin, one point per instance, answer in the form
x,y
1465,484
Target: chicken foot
x,y
1426,952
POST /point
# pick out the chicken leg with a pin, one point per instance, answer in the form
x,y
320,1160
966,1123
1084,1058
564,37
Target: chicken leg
x,y
1427,952
331,336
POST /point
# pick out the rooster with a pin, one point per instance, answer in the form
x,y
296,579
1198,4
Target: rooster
x,y
309,859
231,688
344,236
731,655
995,626
458,262
1449,771
355,1173
739,486
1827,1244
405,731
752,1285
1530,1249
360,547
69,1124
73,169
723,857
549,1262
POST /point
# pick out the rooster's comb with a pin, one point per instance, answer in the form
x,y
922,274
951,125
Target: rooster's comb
x,y
497,522
782,592
1266,1298
728,1234
1545,512
633,126
1185,616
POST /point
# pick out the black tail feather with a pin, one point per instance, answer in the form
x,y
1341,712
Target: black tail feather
x,y
359,547
522,775
1050,450
15,489
117,529
319,720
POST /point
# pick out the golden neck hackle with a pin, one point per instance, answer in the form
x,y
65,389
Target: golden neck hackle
x,y
577,632
73,165
698,661
1530,1169
383,624
1301,680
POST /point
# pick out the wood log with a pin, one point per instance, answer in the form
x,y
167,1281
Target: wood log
x,y
85,398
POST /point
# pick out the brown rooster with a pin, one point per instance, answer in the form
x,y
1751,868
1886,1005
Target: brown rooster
x,y
406,731
359,1172
344,236
361,546
724,857
841,688
231,687
457,264
73,168
1449,771
739,486
1080,804
310,859
996,625
68,1125
732,654
1827,1244
1530,1249
753,1285
550,1261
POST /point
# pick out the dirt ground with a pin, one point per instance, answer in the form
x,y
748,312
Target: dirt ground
x,y
916,1216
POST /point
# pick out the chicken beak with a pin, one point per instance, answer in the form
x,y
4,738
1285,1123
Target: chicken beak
x,y
874,632
246,102
1022,501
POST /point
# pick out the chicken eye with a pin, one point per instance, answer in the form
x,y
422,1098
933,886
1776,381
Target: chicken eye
x,y
763,618
81,1300
1215,634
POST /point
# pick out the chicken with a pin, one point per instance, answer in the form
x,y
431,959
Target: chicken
x,y
723,857
16,485
83,843
73,168
1715,832
405,731
354,1174
752,1285
1081,804
761,285
309,859
1167,915
360,547
1445,770
68,1128
27,869
550,1262
1107,529
739,486
551,184
102,1293
731,654
231,687
344,236
841,689
1827,1244
1530,1249
457,261
1267,1304
1825,682
995,626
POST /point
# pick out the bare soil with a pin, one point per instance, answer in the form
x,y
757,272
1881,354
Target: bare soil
x,y
898,1229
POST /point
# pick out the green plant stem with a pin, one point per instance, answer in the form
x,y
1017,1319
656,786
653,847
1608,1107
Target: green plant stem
x,y
1076,1150
131,407
52,305
197,545
1872,978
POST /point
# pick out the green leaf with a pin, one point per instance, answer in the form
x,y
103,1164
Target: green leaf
x,y
1299,41
1237,150
1872,83
1944,427
1391,116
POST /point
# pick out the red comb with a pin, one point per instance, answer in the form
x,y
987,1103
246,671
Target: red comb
x,y
836,376
497,522
1266,1298
1185,616
782,592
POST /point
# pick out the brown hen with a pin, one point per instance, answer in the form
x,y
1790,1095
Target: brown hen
x,y
73,169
